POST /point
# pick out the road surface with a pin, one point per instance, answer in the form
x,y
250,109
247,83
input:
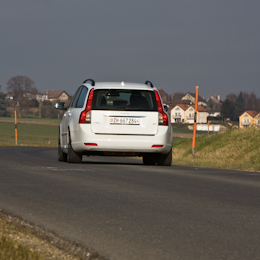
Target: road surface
x,y
125,210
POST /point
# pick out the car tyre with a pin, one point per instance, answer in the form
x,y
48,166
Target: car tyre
x,y
150,159
72,156
165,159
62,157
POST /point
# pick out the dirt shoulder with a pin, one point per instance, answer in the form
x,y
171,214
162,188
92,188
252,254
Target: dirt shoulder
x,y
48,245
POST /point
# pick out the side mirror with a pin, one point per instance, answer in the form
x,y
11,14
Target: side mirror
x,y
60,106
165,107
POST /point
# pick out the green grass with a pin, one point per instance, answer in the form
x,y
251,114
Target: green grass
x,y
176,140
235,149
182,130
185,130
9,250
31,119
28,135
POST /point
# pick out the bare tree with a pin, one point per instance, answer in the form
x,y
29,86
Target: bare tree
x,y
253,101
258,105
3,111
232,97
21,86
250,100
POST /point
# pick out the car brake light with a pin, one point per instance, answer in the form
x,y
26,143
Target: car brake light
x,y
163,118
85,116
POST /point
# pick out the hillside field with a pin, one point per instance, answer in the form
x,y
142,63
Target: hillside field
x,y
234,149
29,134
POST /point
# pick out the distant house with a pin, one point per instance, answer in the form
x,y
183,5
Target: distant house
x,y
41,97
214,102
178,113
10,96
59,95
190,99
249,118
184,113
202,114
214,114
214,117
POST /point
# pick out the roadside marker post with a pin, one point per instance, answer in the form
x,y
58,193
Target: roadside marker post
x,y
15,121
195,123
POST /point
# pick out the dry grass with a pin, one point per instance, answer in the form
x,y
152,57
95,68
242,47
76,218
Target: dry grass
x,y
10,248
19,243
235,149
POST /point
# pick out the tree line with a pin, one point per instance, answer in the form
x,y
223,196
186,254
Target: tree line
x,y
22,87
24,93
234,105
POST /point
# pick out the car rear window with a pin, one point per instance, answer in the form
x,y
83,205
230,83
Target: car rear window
x,y
123,99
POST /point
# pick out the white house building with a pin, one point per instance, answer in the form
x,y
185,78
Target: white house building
x,y
184,113
191,97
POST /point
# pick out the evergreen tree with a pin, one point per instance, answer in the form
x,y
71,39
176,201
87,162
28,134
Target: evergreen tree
x,y
227,110
3,111
240,105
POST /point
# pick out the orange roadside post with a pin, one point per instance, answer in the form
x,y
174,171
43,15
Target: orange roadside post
x,y
15,121
195,123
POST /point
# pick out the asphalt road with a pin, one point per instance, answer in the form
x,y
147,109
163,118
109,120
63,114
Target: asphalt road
x,y
126,211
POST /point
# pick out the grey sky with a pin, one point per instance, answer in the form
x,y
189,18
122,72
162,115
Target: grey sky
x,y
175,44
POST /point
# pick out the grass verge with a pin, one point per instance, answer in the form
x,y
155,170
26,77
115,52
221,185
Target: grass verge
x,y
11,250
235,149
10,247
25,241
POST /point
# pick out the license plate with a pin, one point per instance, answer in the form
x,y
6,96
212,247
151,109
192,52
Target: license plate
x,y
124,121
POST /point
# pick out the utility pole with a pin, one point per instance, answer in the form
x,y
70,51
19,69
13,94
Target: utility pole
x,y
15,121
195,123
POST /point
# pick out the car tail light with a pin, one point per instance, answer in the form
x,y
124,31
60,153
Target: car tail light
x,y
85,116
91,144
157,145
163,118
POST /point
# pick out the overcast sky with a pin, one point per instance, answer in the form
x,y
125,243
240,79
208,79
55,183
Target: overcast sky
x,y
177,45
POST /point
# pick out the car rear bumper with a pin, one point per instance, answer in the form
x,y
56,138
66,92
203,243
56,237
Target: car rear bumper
x,y
85,141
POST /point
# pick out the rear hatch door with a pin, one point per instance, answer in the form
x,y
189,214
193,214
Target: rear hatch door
x,y
123,122
124,111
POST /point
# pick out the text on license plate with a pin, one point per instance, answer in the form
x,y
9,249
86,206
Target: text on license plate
x,y
125,120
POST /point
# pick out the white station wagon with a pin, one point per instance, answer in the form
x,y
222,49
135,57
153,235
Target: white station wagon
x,y
115,119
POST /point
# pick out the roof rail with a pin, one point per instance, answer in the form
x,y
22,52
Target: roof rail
x,y
91,80
147,82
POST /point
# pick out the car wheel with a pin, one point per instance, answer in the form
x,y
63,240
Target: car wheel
x,y
150,159
72,156
165,159
62,157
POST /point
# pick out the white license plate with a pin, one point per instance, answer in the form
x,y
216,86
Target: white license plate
x,y
124,121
